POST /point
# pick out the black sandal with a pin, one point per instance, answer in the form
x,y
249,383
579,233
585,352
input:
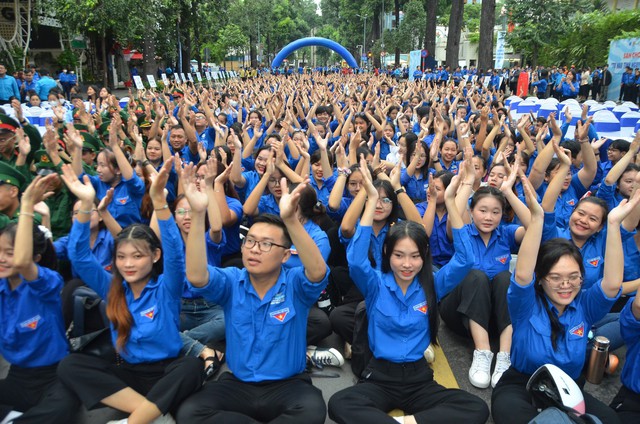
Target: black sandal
x,y
216,363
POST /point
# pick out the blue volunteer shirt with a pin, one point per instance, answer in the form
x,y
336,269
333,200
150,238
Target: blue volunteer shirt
x,y
398,323
155,332
127,198
266,338
593,250
494,257
32,333
630,330
531,341
102,250
320,239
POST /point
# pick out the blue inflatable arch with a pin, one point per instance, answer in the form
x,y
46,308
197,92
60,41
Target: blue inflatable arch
x,y
313,41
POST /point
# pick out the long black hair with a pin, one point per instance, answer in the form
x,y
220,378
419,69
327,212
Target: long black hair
x,y
548,255
42,245
417,233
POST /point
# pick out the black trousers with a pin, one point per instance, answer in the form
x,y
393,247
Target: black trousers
x,y
229,400
165,383
478,299
318,326
343,319
409,386
627,405
511,403
39,394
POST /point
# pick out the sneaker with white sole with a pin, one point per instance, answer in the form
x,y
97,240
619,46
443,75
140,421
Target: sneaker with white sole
x,y
164,419
122,421
321,357
430,354
480,371
503,362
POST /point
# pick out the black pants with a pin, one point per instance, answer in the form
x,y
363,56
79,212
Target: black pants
x,y
39,394
511,403
342,320
409,386
165,383
229,400
318,326
478,299
627,405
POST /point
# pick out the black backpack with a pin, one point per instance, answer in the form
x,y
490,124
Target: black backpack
x,y
360,352
90,332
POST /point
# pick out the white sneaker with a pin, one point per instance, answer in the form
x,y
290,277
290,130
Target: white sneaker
x,y
164,419
480,371
123,421
321,357
503,362
430,354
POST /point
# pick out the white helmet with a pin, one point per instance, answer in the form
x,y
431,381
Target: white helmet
x,y
550,386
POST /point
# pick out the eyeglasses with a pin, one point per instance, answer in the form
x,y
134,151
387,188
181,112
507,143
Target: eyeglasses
x,y
556,280
264,246
385,200
274,182
183,211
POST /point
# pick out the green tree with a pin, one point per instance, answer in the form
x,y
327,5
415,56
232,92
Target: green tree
x,y
538,24
487,23
455,31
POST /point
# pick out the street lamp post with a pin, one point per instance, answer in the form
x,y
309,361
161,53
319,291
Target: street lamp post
x,y
364,37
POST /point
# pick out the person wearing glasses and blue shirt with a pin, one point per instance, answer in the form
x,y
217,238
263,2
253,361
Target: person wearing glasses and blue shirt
x,y
552,314
266,308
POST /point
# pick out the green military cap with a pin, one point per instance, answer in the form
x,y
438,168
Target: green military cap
x,y
104,128
8,124
81,127
10,175
144,124
90,142
43,160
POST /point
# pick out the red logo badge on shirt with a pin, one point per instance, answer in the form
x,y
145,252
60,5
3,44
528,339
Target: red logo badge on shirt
x,y
502,259
594,261
123,200
280,315
578,330
571,202
31,323
149,313
421,307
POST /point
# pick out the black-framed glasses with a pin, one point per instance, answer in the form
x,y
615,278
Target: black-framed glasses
x,y
274,182
264,246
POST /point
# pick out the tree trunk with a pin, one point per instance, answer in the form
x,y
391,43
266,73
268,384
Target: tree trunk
x,y
431,7
487,22
253,53
149,54
455,30
105,76
396,10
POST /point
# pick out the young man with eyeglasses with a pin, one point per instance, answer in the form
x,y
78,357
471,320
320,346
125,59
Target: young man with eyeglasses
x,y
266,308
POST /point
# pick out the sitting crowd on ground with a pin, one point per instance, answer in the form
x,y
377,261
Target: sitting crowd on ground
x,y
246,222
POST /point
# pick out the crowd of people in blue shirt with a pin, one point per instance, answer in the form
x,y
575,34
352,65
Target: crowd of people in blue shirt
x,y
245,223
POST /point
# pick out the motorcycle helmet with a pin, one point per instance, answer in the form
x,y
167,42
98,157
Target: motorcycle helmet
x,y
551,387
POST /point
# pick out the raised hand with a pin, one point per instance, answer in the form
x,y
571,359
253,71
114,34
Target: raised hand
x,y
289,201
39,190
106,200
83,190
157,190
198,200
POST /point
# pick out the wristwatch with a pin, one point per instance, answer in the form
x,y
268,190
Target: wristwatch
x,y
400,190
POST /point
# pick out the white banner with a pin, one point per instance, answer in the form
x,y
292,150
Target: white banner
x,y
499,50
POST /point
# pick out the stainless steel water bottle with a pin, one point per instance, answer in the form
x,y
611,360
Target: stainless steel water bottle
x,y
598,360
